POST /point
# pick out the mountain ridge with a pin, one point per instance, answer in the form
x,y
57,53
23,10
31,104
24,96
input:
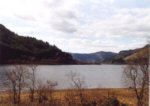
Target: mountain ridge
x,y
92,57
108,57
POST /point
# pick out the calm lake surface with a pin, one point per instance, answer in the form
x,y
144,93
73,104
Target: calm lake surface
x,y
95,76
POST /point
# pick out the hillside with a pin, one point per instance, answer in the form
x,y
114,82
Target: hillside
x,y
144,52
15,49
92,57
123,56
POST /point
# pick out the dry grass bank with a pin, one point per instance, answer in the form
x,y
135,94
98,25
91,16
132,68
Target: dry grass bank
x,y
66,97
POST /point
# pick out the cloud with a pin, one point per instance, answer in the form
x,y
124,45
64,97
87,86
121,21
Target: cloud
x,y
26,31
64,26
84,45
68,17
52,3
132,24
78,26
63,21
25,17
90,46
111,1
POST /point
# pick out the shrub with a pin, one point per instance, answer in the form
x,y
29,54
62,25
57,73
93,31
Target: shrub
x,y
111,101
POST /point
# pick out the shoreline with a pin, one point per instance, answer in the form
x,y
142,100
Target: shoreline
x,y
3,92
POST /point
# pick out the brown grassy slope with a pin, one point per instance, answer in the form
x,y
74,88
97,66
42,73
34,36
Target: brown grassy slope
x,y
142,51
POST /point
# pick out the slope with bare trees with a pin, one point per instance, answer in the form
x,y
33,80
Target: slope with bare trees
x,y
136,75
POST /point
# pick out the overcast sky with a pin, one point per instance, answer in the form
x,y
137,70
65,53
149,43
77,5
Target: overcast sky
x,y
80,26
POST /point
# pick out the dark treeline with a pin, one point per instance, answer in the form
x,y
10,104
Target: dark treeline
x,y
19,49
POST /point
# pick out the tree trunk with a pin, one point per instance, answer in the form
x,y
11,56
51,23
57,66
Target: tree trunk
x,y
19,92
14,96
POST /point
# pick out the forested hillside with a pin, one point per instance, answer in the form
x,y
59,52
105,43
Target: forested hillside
x,y
15,49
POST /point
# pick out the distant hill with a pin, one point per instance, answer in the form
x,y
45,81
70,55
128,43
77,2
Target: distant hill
x,y
143,51
92,57
15,49
123,56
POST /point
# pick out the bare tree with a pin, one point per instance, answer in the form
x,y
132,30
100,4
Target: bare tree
x,y
45,92
40,91
136,74
16,81
78,83
51,87
33,81
11,83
